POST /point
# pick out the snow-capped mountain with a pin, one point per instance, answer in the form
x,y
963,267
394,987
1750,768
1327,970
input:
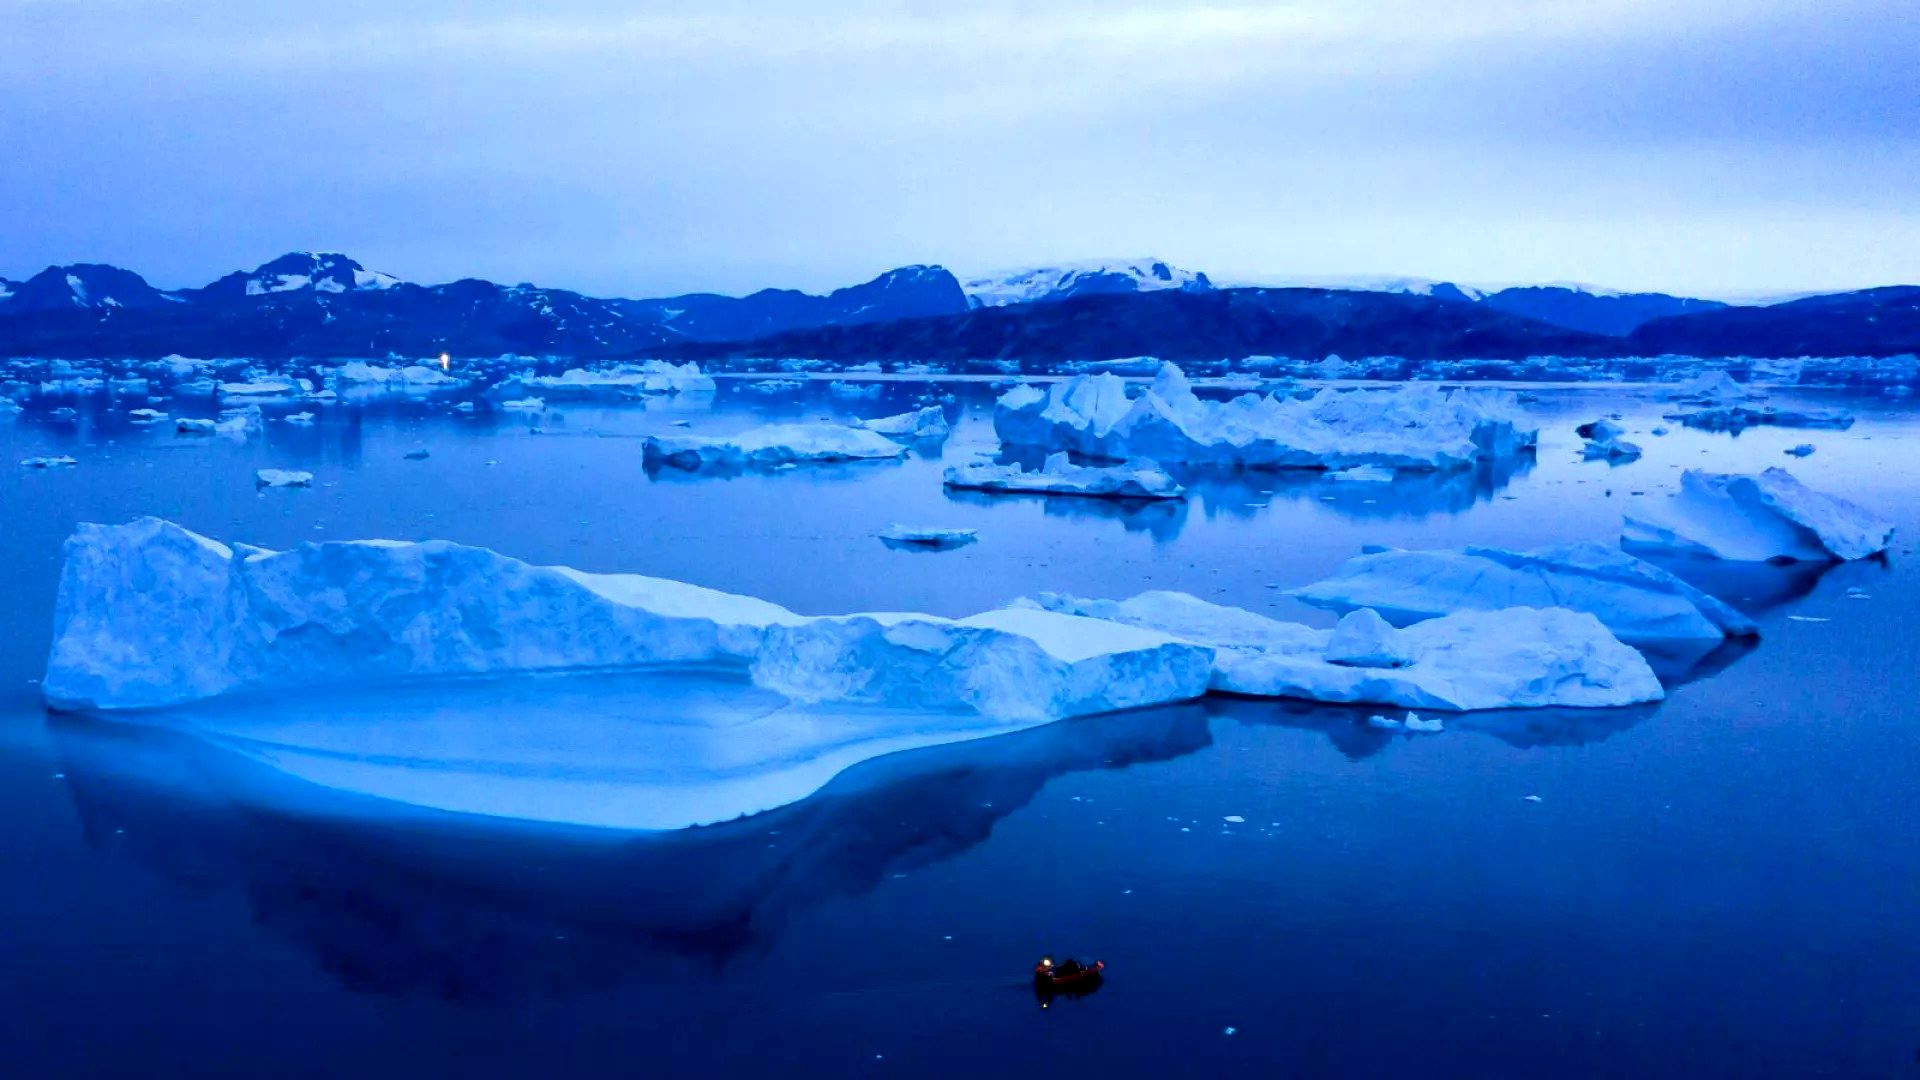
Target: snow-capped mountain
x,y
82,287
301,272
905,293
1080,279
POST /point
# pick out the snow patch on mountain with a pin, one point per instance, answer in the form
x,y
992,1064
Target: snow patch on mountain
x,y
1080,278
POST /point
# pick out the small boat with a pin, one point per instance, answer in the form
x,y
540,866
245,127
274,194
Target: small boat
x,y
1069,977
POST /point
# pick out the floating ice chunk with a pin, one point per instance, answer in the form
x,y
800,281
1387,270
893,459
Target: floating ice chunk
x,y
1514,658
147,416
418,454
845,389
1415,426
1771,516
623,380
1641,603
1413,722
151,614
1605,442
464,406
48,462
282,478
1741,417
301,418
266,388
410,377
927,537
1802,450
530,404
193,426
927,423
773,444
1058,476
1016,664
1364,639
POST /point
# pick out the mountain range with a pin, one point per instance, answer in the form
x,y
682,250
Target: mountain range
x,y
329,305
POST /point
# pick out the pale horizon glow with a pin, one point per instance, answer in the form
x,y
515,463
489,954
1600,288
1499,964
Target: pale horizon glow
x,y
1729,149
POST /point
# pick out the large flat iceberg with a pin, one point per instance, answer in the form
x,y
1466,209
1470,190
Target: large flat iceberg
x,y
1639,602
1415,426
622,380
772,444
924,423
1507,659
1768,517
1059,476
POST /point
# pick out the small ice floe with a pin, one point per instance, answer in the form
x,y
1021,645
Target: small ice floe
x,y
927,538
418,454
1412,723
1059,476
1532,798
1605,443
927,423
844,389
147,416
680,423
1855,592
463,406
1807,618
193,425
304,419
527,404
282,478
48,462
1234,819
1368,474
1805,449
1748,518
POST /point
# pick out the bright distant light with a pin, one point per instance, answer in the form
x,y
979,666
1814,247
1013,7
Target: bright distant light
x,y
445,361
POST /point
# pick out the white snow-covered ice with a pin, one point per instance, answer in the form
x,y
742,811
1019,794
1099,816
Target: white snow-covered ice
x,y
282,478
1517,657
927,536
1755,518
622,380
926,423
1639,602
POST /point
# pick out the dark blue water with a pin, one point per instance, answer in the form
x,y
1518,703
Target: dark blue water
x,y
1722,885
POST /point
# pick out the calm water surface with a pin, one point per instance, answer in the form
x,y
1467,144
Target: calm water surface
x,y
1725,884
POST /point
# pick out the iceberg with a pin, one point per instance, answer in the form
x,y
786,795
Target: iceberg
x,y
915,536
282,478
1639,602
927,423
1015,664
410,377
772,444
1414,426
1058,476
1768,517
1504,659
151,614
266,388
1604,442
1713,388
1740,417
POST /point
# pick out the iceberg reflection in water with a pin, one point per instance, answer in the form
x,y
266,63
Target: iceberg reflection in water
x,y
398,898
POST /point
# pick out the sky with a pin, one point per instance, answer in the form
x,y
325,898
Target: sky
x,y
1706,147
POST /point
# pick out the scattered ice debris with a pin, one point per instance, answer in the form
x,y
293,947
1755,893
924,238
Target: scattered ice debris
x,y
772,444
845,389
302,419
48,462
1414,426
1639,602
1801,450
8,406
282,478
1771,516
1513,658
1059,476
418,454
934,539
926,423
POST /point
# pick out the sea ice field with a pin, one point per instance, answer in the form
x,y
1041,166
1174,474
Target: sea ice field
x,y
757,857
